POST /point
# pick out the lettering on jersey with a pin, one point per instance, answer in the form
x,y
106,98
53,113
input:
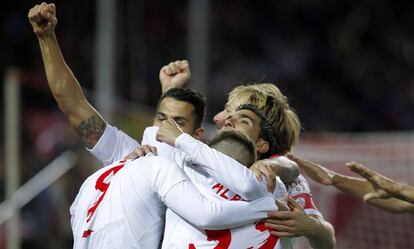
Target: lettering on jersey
x,y
102,185
223,237
296,187
223,193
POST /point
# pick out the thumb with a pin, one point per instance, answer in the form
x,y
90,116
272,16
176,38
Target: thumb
x,y
374,195
293,204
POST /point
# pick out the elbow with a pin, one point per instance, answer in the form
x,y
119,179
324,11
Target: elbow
x,y
213,222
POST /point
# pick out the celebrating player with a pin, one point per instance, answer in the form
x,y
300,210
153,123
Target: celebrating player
x,y
90,124
122,205
373,189
287,127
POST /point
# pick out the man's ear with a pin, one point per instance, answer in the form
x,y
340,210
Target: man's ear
x,y
198,133
262,146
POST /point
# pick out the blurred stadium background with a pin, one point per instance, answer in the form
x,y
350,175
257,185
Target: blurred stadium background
x,y
347,68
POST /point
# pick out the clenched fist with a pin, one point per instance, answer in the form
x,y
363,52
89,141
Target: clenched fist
x,y
43,19
175,74
169,131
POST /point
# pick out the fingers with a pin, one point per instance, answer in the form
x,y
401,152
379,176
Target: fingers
x,y
261,169
281,206
149,149
134,154
267,171
256,172
292,203
176,67
279,215
141,151
154,150
281,234
379,194
361,170
43,18
280,228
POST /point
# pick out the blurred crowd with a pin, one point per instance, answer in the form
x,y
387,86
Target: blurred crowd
x,y
345,66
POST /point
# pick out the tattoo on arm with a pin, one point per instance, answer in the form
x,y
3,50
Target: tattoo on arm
x,y
91,130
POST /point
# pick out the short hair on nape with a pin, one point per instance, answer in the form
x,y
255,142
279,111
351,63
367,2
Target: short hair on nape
x,y
235,145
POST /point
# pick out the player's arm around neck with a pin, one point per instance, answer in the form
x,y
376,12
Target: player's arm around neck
x,y
63,84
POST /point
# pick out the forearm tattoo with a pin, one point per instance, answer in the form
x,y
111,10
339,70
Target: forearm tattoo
x,y
91,130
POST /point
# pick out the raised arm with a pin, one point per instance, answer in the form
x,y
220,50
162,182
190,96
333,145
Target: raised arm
x,y
63,84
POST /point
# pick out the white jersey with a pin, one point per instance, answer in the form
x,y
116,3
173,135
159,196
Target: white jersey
x,y
122,205
212,172
204,182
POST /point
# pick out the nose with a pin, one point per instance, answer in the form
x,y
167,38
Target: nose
x,y
219,120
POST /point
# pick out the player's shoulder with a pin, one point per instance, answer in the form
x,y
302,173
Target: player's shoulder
x,y
150,160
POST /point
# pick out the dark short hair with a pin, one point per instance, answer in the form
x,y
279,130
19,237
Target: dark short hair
x,y
190,96
236,145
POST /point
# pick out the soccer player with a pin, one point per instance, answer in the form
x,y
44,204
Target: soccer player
x,y
123,205
306,221
361,188
81,115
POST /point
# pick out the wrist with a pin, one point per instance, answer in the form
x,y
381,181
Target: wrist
x,y
336,179
313,228
47,39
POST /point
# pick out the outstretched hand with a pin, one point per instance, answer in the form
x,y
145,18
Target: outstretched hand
x,y
381,184
168,132
315,171
175,74
43,19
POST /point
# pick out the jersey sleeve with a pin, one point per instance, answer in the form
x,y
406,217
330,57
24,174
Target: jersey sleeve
x,y
300,191
225,169
113,145
182,197
163,149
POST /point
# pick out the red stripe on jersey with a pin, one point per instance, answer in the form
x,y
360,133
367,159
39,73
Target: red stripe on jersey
x,y
307,202
87,233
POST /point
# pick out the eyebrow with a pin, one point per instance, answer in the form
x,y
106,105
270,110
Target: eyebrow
x,y
173,117
161,114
